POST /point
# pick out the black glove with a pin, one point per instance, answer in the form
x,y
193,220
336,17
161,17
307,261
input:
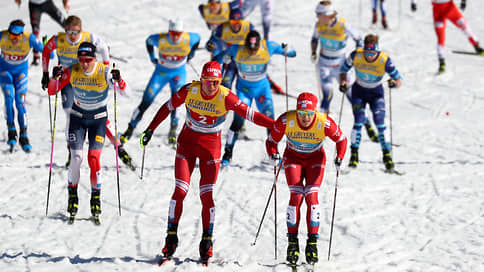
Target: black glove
x,y
210,47
343,87
57,72
145,138
45,80
154,61
275,158
413,6
463,4
337,163
116,74
392,83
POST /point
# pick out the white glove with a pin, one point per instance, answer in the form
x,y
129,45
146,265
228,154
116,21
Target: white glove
x,y
227,59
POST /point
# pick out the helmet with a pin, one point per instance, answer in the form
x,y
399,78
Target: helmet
x,y
326,9
252,40
212,69
236,14
175,25
307,101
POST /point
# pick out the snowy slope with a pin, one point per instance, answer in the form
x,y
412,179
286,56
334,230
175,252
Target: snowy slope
x,y
430,219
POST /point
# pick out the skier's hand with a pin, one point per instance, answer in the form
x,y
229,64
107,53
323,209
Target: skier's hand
x,y
343,87
45,80
145,138
227,59
413,7
154,61
337,163
463,5
392,83
57,72
275,159
116,75
210,46
314,57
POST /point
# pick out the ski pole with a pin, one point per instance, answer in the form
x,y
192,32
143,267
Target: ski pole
x,y
332,218
50,116
52,145
193,68
390,115
268,201
142,164
116,142
287,90
275,210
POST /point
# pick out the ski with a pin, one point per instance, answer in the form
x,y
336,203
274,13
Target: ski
x,y
467,53
118,58
309,267
71,219
293,267
394,171
95,219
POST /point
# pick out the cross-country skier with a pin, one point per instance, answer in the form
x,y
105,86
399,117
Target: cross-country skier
x,y
252,60
36,8
15,45
304,162
444,10
175,49
207,104
215,13
90,82
66,45
370,64
383,11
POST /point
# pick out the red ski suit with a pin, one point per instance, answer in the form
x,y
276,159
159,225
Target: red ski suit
x,y
201,138
304,159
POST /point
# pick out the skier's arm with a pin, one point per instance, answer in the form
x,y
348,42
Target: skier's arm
x,y
63,81
336,135
114,75
354,34
151,42
102,48
35,43
232,102
275,48
175,101
277,132
50,46
393,72
194,42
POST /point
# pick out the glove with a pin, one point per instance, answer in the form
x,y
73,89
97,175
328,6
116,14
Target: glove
x,y
227,59
45,80
343,87
145,138
392,83
275,158
154,61
116,74
337,163
463,4
57,72
314,57
210,47
413,6
286,49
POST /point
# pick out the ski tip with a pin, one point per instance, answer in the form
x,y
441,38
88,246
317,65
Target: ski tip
x,y
163,260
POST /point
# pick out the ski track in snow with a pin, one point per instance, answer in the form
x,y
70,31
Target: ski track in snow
x,y
430,219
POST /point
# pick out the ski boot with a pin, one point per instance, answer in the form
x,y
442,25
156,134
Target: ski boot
x,y
171,242
125,158
479,50
172,135
205,248
127,134
384,22
24,141
354,158
374,18
72,203
12,137
371,132
387,160
441,66
227,156
292,248
312,249
36,59
96,205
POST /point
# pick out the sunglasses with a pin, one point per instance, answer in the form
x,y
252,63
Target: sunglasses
x,y
13,36
370,53
85,60
73,32
304,113
210,82
235,22
213,4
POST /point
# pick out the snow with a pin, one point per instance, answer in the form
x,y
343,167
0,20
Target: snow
x,y
430,219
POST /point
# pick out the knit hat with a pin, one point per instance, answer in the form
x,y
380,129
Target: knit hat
x,y
86,49
211,69
307,101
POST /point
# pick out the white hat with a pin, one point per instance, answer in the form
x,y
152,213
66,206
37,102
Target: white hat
x,y
325,9
176,25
